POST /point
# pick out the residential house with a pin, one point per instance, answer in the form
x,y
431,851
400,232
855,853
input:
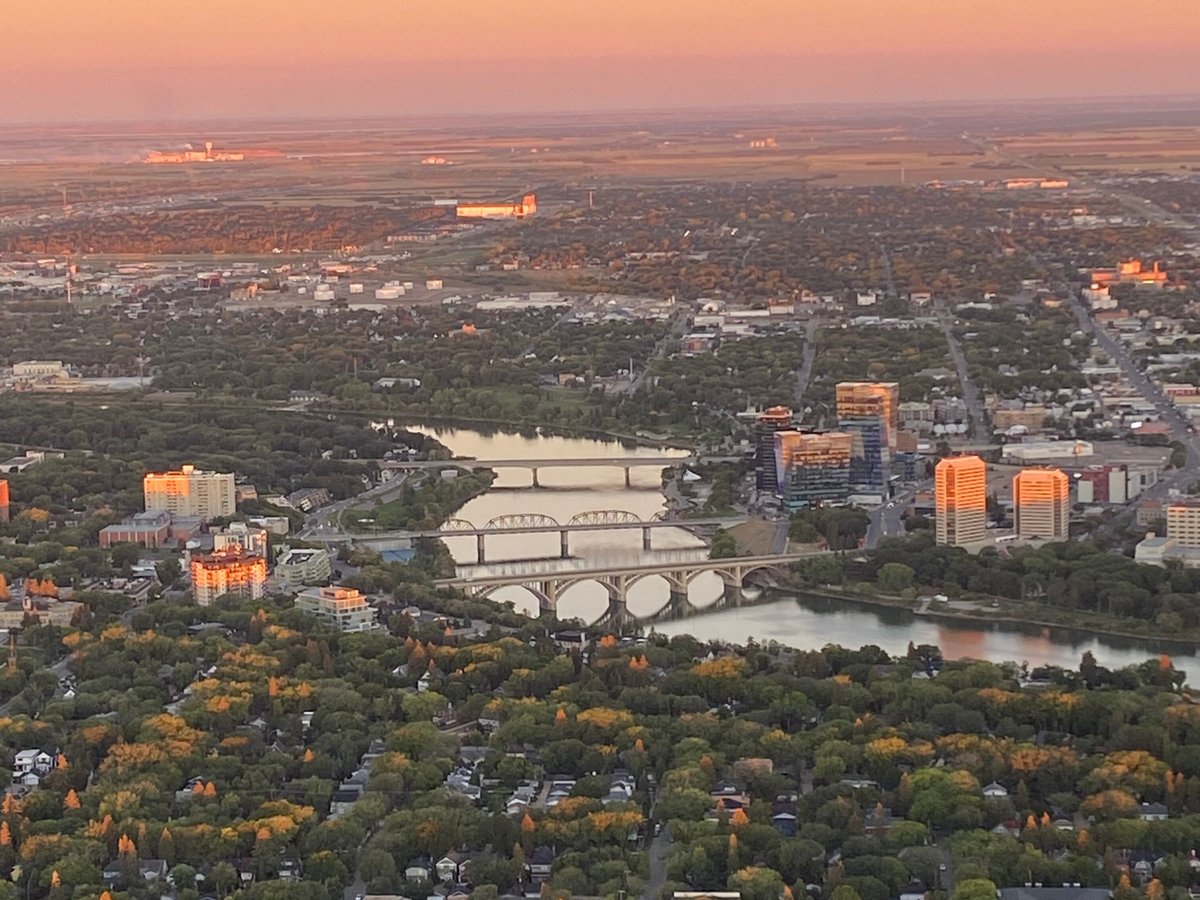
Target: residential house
x,y
995,791
1153,812
418,869
541,863
290,869
447,867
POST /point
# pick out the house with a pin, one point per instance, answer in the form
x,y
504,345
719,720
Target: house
x,y
1054,893
447,867
784,823
290,869
152,869
37,761
541,862
418,869
1153,812
995,791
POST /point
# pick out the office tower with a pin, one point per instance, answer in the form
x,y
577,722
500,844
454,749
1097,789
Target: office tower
x,y
869,457
190,493
812,469
866,399
1041,504
960,497
777,418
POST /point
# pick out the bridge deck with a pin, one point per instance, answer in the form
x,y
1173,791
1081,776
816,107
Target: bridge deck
x,y
537,529
622,462
533,574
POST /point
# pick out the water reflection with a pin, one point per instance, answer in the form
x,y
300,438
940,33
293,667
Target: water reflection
x,y
809,623
565,493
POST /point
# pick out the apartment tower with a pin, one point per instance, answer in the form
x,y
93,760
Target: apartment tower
x,y
1183,523
190,493
1041,504
960,498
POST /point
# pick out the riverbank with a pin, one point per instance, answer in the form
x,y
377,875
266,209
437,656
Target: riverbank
x,y
1009,612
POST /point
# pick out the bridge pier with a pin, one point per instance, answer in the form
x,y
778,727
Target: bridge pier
x,y
645,538
480,555
564,544
548,602
628,482
534,470
733,594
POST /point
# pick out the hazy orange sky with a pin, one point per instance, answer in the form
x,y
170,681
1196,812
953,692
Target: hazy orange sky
x,y
132,59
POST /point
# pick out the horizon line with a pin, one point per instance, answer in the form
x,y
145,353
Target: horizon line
x,y
698,108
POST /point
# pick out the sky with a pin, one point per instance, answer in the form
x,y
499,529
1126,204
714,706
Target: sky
x,y
158,59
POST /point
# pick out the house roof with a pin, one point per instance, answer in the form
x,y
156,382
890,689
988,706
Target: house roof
x,y
1054,893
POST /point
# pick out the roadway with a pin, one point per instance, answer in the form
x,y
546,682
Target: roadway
x,y
729,521
618,462
886,521
519,571
1179,479
804,373
974,405
320,522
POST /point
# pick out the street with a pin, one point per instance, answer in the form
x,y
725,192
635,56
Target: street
x,y
970,393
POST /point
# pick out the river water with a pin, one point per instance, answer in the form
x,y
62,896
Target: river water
x,y
804,623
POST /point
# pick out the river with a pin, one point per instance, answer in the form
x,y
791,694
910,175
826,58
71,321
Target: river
x,y
804,623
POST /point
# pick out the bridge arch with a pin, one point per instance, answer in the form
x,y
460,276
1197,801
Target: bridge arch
x,y
544,601
521,520
606,517
458,525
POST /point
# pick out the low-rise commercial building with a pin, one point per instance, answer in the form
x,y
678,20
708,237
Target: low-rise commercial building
x,y
150,529
344,608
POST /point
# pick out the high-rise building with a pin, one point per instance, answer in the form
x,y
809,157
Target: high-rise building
x,y
960,499
869,459
344,608
812,469
3,500
1042,504
1183,523
777,418
867,399
230,571
190,493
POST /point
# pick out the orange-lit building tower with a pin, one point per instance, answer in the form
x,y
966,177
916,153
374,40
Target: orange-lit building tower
x,y
864,399
776,418
190,493
3,500
1042,504
960,498
230,571
812,469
